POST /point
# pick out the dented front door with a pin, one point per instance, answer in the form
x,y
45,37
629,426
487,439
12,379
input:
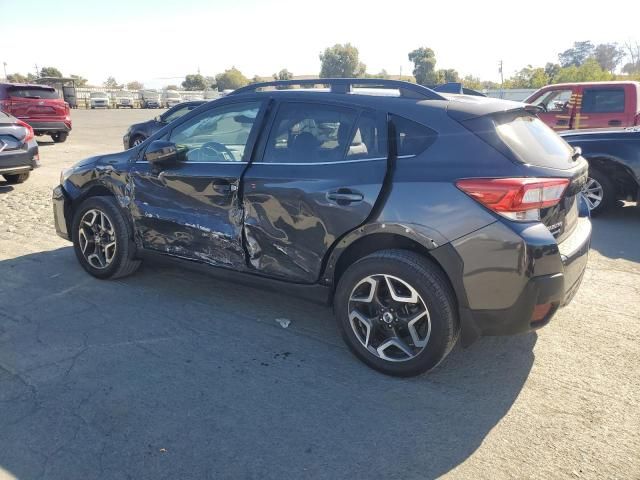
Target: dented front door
x,y
192,210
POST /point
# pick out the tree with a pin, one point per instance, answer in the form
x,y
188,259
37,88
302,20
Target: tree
x,y
341,61
608,56
446,76
111,83
589,71
283,74
79,81
424,61
552,69
472,82
633,51
50,72
135,85
16,78
194,81
231,79
576,55
528,77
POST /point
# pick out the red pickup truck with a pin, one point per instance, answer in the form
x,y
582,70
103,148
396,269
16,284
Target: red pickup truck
x,y
38,105
573,106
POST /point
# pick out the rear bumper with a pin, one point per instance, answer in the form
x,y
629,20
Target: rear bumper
x,y
500,275
20,161
50,127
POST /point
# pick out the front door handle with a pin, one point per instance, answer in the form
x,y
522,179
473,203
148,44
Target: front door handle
x,y
615,123
562,123
344,196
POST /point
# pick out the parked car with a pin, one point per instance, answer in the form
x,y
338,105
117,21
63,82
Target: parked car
x,y
124,99
139,132
573,106
614,165
38,105
99,100
150,99
18,149
171,98
467,220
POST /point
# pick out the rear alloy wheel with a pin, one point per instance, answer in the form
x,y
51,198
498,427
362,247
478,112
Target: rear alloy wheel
x,y
396,312
59,137
598,191
16,177
102,239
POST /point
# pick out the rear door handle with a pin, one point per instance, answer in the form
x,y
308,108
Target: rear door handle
x,y
344,196
615,123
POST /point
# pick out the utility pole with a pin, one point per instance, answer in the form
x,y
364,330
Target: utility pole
x,y
400,72
501,79
37,71
4,64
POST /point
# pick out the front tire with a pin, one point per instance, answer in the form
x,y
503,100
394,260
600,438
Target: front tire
x,y
599,192
396,312
15,178
102,239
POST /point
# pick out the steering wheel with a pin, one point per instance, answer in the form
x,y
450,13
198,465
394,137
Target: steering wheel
x,y
543,107
220,150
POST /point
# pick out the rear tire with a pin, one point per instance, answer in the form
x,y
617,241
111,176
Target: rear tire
x,y
599,192
60,137
383,325
103,240
16,178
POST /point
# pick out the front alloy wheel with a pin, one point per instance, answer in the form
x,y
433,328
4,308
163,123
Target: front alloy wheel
x,y
389,318
97,239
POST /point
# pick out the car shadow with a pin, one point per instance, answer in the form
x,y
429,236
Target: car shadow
x,y
5,187
45,143
170,373
625,222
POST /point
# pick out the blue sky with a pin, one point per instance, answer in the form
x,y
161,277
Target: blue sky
x,y
158,42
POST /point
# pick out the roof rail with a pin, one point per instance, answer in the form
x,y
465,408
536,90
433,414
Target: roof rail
x,y
345,85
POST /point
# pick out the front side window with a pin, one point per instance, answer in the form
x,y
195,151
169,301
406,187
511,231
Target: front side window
x,y
600,100
217,135
170,116
556,101
310,133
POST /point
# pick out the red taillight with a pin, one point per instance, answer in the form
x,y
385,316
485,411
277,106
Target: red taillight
x,y
515,198
637,120
29,135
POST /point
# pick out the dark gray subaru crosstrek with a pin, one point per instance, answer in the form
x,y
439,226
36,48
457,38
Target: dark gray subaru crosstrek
x,y
422,216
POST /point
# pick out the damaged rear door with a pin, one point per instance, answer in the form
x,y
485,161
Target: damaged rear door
x,y
192,210
321,172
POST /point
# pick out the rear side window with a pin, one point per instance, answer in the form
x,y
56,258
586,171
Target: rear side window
x,y
412,138
310,133
33,92
533,142
600,100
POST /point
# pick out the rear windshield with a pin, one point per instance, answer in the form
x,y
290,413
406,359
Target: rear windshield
x,y
33,92
534,143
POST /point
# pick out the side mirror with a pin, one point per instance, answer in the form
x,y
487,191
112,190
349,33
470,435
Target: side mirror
x,y
161,153
158,119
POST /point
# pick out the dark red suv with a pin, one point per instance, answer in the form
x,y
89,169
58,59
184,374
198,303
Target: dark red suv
x,y
38,105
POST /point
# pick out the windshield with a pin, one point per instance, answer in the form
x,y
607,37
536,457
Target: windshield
x,y
98,95
34,92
